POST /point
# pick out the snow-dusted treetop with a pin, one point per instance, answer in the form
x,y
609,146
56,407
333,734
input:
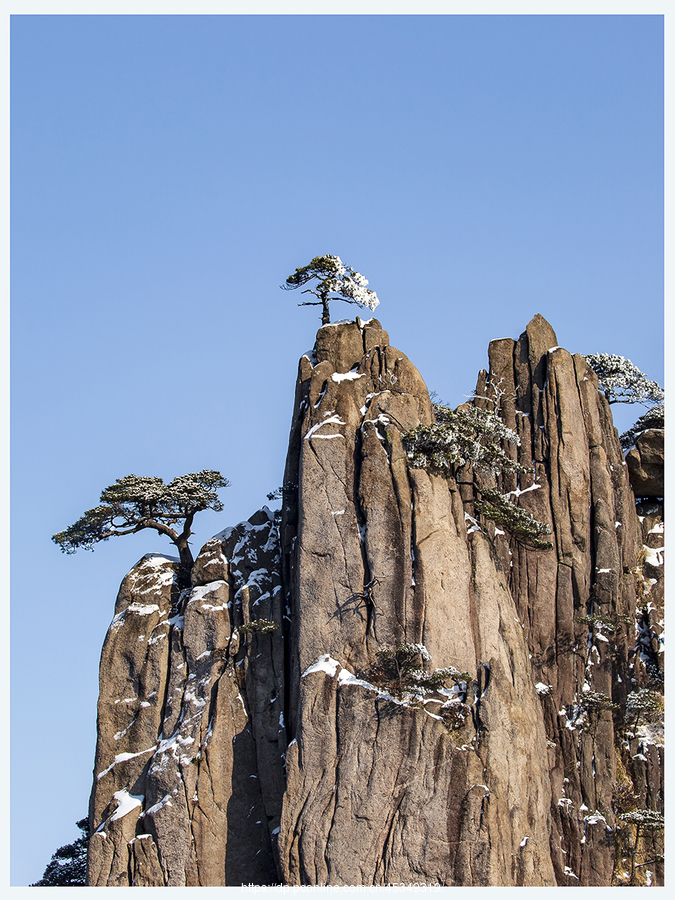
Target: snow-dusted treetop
x,y
137,502
333,277
622,382
471,435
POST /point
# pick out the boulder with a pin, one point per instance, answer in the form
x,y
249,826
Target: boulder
x,y
646,463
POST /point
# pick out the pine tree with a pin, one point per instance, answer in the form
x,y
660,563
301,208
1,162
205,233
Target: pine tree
x,y
332,278
136,502
622,382
68,865
472,435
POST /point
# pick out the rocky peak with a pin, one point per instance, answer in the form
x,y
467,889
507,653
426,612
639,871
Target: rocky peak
x,y
268,725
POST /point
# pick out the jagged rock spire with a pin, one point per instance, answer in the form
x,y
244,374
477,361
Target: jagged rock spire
x,y
231,752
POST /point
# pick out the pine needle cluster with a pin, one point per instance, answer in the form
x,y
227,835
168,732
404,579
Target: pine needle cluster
x,y
472,435
622,382
262,626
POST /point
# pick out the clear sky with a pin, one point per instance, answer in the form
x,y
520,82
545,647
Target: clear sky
x,y
168,173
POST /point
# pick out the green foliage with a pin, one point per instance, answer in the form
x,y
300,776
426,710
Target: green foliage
x,y
468,435
68,866
596,701
600,621
136,502
584,713
262,626
471,435
645,818
644,704
517,521
280,493
399,670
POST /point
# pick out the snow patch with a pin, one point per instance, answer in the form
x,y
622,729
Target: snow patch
x,y
165,801
654,556
336,420
122,757
594,818
324,663
517,492
474,524
347,376
125,803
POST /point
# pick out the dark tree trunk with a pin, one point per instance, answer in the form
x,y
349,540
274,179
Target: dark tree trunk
x,y
325,317
186,561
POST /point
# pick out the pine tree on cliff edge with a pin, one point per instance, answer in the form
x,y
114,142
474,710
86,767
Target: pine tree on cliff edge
x,y
333,278
68,865
135,502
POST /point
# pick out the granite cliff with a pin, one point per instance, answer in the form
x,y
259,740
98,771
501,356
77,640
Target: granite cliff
x,y
243,736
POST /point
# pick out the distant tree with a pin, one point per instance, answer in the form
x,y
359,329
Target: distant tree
x,y
622,382
332,278
135,502
641,819
68,866
644,705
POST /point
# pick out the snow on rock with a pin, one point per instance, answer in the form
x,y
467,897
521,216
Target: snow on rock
x,y
325,664
125,803
346,376
654,556
375,554
335,420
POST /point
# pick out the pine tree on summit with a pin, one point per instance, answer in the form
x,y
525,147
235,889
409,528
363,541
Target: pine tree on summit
x,y
135,502
333,278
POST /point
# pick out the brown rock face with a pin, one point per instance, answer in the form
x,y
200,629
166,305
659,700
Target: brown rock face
x,y
579,604
646,462
378,554
189,761
233,755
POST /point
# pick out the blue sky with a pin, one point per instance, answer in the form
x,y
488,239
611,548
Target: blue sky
x,y
169,172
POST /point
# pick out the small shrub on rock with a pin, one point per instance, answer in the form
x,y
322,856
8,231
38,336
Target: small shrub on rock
x,y
261,626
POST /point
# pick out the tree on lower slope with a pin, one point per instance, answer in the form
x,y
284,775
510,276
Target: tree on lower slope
x,y
68,865
135,502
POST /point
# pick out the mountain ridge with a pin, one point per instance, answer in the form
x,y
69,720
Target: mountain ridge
x,y
231,752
